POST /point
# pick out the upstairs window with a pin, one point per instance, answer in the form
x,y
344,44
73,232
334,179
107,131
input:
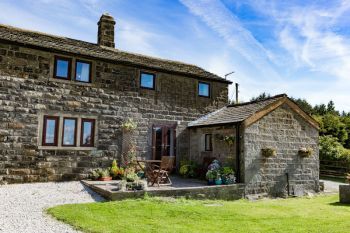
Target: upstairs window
x,y
147,80
204,89
87,132
208,142
69,131
83,71
50,131
62,68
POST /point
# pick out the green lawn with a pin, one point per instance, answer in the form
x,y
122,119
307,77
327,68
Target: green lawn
x,y
319,214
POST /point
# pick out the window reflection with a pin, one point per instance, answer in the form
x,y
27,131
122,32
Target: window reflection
x,y
82,71
69,132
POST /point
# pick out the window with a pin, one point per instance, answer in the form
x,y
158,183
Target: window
x,y
204,89
87,132
69,133
83,71
50,131
208,142
147,80
62,68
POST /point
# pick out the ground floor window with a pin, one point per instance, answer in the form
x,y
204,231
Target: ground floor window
x,y
67,131
50,131
69,134
208,144
87,132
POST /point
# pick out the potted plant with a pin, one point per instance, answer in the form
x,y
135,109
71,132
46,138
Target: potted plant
x,y
116,172
227,175
218,180
305,152
210,177
105,175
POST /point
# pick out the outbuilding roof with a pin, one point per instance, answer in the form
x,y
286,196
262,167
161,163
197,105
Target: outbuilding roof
x,y
67,45
249,112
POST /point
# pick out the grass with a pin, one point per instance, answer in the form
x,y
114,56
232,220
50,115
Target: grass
x,y
318,214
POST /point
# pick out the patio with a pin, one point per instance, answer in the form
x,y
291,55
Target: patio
x,y
188,188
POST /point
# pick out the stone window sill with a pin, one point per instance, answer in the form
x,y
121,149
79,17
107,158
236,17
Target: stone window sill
x,y
65,148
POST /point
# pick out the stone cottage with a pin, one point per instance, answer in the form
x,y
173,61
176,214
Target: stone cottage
x,y
240,134
62,103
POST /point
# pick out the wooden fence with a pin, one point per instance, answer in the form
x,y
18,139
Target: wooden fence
x,y
336,169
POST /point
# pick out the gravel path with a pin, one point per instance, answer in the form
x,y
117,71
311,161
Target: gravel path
x,y
331,186
22,205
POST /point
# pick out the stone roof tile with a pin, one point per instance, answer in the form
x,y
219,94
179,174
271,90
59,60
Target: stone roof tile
x,y
58,43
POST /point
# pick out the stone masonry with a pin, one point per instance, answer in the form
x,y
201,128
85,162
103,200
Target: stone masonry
x,y
28,91
287,132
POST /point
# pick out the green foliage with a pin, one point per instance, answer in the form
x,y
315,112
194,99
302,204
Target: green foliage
x,y
323,214
226,171
99,173
262,96
129,125
116,172
332,125
189,169
331,149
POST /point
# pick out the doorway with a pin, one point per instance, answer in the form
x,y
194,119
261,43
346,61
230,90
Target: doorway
x,y
163,141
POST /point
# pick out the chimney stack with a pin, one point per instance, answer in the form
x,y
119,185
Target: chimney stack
x,y
236,93
105,35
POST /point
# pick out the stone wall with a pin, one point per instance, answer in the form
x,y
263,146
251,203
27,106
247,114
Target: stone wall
x,y
225,153
285,131
28,91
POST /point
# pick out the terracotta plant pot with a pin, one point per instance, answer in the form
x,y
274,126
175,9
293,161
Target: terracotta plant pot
x,y
108,178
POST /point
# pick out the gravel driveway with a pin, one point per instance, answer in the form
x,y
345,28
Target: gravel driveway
x,y
22,205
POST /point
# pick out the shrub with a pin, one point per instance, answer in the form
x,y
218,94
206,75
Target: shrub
x,y
331,149
189,169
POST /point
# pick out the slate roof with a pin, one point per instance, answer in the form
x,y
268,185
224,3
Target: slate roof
x,y
57,43
234,113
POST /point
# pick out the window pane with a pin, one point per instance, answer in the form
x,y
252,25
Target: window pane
x,y
208,142
50,131
203,89
87,133
82,72
69,132
147,80
62,68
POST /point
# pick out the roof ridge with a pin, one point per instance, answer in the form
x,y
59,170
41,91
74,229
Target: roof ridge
x,y
258,101
205,73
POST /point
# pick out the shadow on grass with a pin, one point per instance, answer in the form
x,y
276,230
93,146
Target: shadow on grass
x,y
339,204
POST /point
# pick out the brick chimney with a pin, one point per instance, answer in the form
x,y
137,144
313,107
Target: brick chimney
x,y
105,35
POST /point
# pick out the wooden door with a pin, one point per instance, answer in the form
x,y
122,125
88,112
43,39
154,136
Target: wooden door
x,y
163,141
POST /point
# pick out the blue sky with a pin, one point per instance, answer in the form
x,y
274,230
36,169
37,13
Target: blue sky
x,y
301,48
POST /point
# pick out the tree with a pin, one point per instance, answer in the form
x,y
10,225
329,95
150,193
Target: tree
x,y
320,109
304,105
262,96
332,125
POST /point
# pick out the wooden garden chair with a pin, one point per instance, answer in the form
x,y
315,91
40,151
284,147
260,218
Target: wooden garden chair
x,y
160,173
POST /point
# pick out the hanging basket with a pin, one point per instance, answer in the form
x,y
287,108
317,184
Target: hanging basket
x,y
268,152
305,152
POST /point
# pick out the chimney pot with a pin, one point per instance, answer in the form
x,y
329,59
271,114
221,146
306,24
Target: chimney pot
x,y
105,35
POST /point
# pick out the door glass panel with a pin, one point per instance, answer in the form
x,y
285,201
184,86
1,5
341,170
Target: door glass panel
x,y
158,143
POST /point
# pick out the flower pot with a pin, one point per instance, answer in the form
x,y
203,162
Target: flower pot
x,y
211,182
108,178
218,181
224,180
